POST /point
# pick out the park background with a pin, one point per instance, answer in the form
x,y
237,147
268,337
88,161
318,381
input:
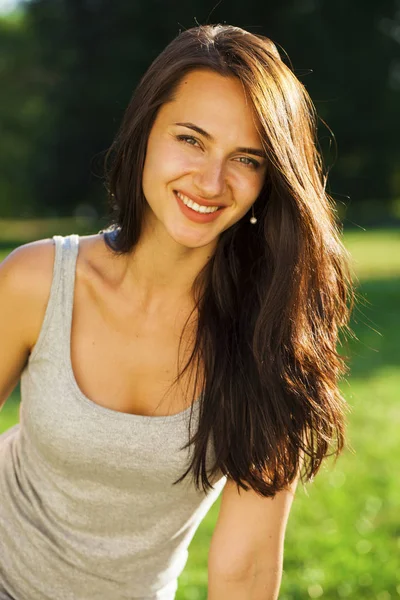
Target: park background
x,y
67,71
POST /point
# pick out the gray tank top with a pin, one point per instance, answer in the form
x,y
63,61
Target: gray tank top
x,y
87,506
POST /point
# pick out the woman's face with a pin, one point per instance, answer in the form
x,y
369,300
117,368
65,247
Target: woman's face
x,y
204,148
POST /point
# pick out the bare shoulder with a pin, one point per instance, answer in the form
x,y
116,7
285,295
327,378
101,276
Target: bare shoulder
x,y
27,255
29,268
25,282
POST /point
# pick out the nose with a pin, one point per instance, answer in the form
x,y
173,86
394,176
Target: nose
x,y
210,179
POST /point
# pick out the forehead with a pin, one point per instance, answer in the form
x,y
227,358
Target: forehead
x,y
215,103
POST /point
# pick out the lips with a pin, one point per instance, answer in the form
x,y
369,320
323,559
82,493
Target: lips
x,y
200,201
195,216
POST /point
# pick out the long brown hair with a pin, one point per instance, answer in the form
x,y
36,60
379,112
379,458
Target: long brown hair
x,y
273,298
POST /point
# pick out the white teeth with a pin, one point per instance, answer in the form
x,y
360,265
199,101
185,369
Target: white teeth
x,y
195,206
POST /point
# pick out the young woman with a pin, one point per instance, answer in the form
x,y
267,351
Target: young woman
x,y
187,350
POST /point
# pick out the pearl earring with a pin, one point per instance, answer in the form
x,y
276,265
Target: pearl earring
x,y
253,219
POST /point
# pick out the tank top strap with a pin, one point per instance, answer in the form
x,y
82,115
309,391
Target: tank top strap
x,y
67,249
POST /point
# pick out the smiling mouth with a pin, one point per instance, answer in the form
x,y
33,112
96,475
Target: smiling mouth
x,y
199,208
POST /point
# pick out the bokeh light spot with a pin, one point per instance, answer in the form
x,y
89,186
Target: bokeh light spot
x,y
315,590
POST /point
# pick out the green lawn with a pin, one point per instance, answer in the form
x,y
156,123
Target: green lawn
x,y
343,535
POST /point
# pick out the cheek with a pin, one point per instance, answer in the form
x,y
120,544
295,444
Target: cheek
x,y
166,161
247,188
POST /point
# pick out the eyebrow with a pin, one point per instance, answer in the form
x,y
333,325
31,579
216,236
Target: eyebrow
x,y
208,136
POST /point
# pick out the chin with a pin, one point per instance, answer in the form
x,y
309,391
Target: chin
x,y
193,239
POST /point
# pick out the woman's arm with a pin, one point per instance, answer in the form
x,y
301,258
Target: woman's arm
x,y
246,552
257,585
25,280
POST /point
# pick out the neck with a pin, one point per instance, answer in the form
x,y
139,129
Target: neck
x,y
161,272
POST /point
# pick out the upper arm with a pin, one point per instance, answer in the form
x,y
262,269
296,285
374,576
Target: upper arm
x,y
25,282
249,532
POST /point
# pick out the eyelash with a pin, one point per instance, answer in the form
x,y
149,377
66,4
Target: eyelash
x,y
252,164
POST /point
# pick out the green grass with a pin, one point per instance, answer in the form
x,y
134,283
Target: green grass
x,y
343,535
375,253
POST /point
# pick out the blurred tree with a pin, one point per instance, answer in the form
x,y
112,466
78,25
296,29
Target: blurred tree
x,y
22,107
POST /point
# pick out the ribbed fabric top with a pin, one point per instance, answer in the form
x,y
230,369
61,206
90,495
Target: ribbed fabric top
x,y
87,506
